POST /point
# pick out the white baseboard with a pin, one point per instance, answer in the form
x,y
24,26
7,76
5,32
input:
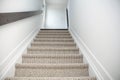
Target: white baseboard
x,y
10,61
95,67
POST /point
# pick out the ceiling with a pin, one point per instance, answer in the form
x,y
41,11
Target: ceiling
x,y
62,3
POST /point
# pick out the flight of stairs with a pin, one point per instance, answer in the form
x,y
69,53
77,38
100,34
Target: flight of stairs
x,y
52,56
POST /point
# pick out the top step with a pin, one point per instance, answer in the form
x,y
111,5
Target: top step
x,y
43,33
54,31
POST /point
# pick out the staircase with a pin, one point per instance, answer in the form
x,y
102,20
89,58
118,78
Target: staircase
x,y
52,56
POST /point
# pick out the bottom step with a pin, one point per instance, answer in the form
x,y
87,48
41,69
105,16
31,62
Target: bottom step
x,y
51,70
51,78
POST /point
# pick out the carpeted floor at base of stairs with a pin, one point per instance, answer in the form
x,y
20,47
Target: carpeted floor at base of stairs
x,y
53,55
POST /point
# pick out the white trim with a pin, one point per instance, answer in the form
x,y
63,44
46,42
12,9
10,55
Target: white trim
x,y
98,69
44,15
19,50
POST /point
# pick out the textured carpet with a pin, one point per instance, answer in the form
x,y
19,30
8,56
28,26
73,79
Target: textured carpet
x,y
53,55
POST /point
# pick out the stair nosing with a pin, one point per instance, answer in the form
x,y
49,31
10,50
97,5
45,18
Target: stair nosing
x,y
51,66
54,78
51,56
53,49
53,43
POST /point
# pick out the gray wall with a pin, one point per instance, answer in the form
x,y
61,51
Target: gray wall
x,y
6,18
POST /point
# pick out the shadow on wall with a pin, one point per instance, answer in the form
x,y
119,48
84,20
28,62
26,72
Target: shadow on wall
x,y
15,16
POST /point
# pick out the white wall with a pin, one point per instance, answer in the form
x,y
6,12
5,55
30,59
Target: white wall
x,y
55,17
97,24
20,5
16,36
60,3
14,39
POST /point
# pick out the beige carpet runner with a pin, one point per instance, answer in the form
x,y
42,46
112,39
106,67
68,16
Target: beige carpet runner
x,y
53,55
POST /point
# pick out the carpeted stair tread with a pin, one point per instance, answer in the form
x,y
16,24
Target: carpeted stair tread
x,y
53,51
52,66
53,55
52,48
53,44
53,58
51,78
53,33
57,48
51,70
52,29
53,39
63,43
